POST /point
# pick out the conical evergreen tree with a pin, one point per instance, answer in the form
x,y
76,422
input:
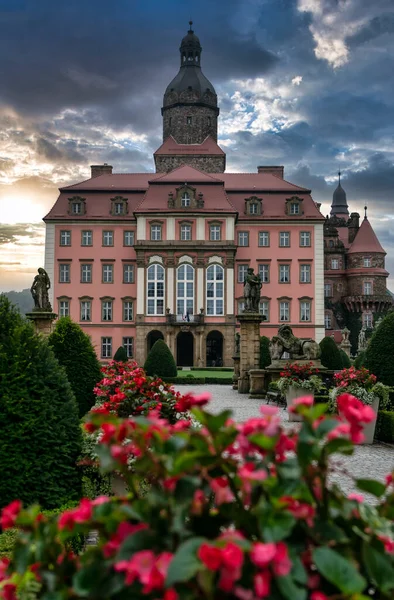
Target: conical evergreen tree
x,y
330,355
160,361
40,435
346,363
121,354
265,357
74,350
379,355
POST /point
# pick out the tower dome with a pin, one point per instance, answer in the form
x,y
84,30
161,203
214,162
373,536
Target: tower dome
x,y
190,108
339,206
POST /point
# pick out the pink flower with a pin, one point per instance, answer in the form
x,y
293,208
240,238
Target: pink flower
x,y
232,556
300,510
210,556
250,472
262,584
303,401
388,543
9,514
139,566
4,562
222,491
124,530
342,430
262,554
282,562
356,497
318,596
268,411
80,514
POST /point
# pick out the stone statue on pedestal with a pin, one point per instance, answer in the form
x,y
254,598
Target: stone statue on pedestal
x,y
39,291
252,291
362,340
298,348
237,343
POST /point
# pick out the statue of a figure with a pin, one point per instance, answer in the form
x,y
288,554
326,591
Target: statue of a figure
x,y
39,291
362,340
298,348
345,335
237,342
252,289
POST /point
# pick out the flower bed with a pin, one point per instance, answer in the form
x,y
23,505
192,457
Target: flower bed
x,y
302,376
362,384
233,511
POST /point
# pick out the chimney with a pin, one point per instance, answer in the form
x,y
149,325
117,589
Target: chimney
x,y
353,226
277,171
97,170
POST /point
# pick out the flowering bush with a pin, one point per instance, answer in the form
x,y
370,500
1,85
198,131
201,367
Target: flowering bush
x,y
362,384
236,511
303,376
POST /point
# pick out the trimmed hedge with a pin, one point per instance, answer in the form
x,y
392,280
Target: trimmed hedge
x,y
265,356
160,361
385,426
208,369
40,436
346,362
380,351
75,352
330,355
360,360
121,354
199,380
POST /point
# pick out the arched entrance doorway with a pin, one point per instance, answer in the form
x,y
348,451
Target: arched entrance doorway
x,y
152,337
214,349
184,349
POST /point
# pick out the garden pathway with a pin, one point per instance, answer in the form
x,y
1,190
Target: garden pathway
x,y
367,461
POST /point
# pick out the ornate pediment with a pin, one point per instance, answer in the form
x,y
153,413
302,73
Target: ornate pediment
x,y
253,206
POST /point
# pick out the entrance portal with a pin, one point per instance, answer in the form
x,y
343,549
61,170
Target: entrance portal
x,y
152,337
214,349
184,349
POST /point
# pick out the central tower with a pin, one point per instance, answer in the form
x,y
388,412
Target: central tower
x,y
190,109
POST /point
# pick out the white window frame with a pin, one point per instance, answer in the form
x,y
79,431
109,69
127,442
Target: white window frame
x,y
334,264
86,237
294,208
243,238
284,273
107,273
128,273
155,289
305,311
367,285
65,237
284,311
241,272
155,233
215,233
264,309
64,308
186,232
128,238
264,239
128,310
86,273
305,239
185,277
367,262
284,239
106,347
368,320
107,310
241,306
327,290
76,208
185,200
327,321
119,208
128,345
64,273
108,237
215,298
85,310
253,208
305,273
264,272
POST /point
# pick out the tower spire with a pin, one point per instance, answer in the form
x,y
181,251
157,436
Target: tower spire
x,y
339,205
190,26
365,212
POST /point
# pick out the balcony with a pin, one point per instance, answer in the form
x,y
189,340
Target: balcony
x,y
362,302
184,319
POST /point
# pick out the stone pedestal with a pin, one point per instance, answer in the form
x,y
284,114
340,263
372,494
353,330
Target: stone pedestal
x,y
236,360
43,321
275,368
257,383
346,347
249,348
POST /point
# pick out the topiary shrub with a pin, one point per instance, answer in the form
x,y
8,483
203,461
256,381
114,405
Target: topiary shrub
x,y
160,361
380,351
75,352
265,357
40,436
121,354
385,426
330,355
346,362
359,361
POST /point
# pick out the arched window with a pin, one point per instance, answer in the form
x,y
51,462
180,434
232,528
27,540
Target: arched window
x,y
185,291
215,290
185,201
155,290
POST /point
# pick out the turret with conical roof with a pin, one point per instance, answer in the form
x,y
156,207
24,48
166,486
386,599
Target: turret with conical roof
x,y
339,207
190,108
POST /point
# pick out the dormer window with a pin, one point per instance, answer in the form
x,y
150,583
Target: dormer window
x,y
185,200
76,206
294,206
253,209
119,206
253,206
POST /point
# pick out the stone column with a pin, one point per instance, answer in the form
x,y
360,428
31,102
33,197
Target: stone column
x,y
249,348
43,321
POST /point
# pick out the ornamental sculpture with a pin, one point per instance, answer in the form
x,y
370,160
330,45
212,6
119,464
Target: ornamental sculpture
x,y
252,291
39,291
298,348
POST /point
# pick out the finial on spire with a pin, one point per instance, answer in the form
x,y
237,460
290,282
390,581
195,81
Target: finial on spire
x,y
339,176
365,212
190,26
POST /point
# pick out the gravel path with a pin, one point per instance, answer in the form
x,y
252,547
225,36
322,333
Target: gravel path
x,y
367,461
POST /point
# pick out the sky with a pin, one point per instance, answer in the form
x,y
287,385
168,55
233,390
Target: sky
x,y
307,84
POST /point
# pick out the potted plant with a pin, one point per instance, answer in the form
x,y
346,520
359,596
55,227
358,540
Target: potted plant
x,y
361,384
232,511
295,381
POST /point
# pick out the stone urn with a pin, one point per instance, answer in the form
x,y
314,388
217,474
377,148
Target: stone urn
x,y
292,393
369,428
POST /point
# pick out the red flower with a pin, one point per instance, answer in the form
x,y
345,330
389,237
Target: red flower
x,y
9,514
222,491
124,530
262,584
8,592
304,401
210,556
282,562
81,514
4,562
262,554
318,596
232,556
300,510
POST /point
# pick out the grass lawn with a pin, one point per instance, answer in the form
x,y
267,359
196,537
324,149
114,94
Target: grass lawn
x,y
204,373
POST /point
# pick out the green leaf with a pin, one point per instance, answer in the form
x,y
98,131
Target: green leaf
x,y
290,469
289,589
263,441
86,580
185,563
140,540
326,426
376,488
379,567
186,461
338,570
278,527
340,445
317,411
298,571
216,422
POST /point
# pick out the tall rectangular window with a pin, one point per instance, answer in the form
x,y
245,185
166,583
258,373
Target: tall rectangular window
x,y
119,208
264,272
284,273
86,273
327,321
367,288
368,320
242,270
215,290
305,239
284,311
327,290
186,233
128,273
128,238
305,273
214,233
108,273
155,233
64,308
106,310
155,290
64,273
367,261
284,239
65,238
86,310
241,306
106,347
264,238
334,263
294,208
128,345
87,237
108,238
127,310
265,309
305,310
243,238
76,208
